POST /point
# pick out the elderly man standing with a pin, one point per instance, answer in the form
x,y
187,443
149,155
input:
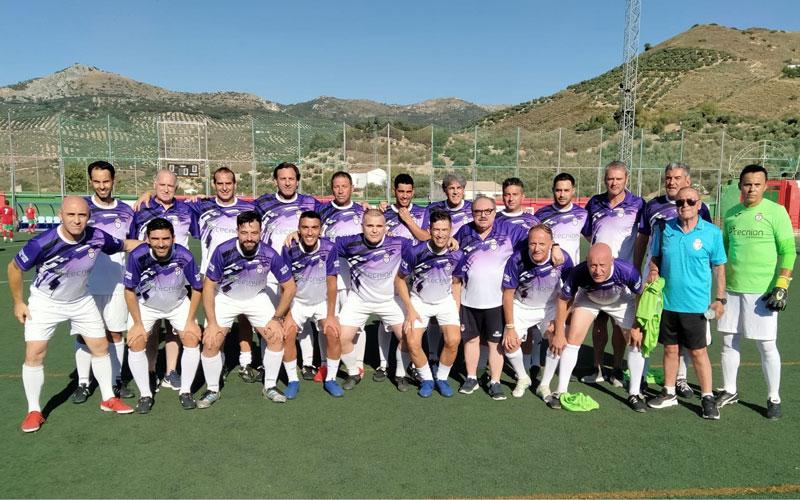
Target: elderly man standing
x,y
685,251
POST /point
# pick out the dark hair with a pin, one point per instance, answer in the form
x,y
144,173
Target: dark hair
x,y
341,173
160,223
246,218
283,165
438,215
223,169
513,181
403,179
751,169
310,214
563,176
100,165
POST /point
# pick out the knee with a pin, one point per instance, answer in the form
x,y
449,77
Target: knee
x,y
671,350
137,344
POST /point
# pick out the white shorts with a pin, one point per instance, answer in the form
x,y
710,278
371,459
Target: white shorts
x,y
445,312
302,313
356,311
176,317
258,309
114,311
623,312
526,318
747,313
46,314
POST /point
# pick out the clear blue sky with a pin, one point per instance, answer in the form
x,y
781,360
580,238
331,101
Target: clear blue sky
x,y
398,52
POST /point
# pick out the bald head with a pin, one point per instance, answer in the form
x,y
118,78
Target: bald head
x,y
74,215
73,203
600,261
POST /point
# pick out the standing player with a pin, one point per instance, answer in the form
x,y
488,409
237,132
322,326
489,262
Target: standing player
x,y
30,215
564,216
460,210
513,194
7,218
63,258
156,278
436,275
760,244
235,284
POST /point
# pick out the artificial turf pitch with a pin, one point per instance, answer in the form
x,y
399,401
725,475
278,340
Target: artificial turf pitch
x,y
378,442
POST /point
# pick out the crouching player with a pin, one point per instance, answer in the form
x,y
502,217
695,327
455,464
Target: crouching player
x,y
156,279
435,293
235,284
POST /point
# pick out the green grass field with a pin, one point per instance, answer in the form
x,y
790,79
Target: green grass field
x,y
377,442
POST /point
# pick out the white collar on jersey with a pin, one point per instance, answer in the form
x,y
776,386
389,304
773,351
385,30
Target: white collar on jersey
x,y
342,207
65,240
102,205
239,249
565,209
444,250
545,261
512,214
285,200
233,202
302,248
453,209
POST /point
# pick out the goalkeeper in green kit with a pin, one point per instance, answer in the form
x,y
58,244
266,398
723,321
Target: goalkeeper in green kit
x,y
759,241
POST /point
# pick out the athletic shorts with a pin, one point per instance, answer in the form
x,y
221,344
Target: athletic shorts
x,y
46,314
689,330
526,318
356,311
8,227
114,311
487,324
445,312
747,313
302,313
623,312
258,309
176,317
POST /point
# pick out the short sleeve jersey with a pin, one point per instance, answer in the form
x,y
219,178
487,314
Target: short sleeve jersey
x,y
240,276
30,213
536,285
566,225
615,226
372,267
523,219
161,285
216,223
341,221
182,217
460,215
311,270
624,281
280,217
431,273
116,220
7,215
396,227
661,209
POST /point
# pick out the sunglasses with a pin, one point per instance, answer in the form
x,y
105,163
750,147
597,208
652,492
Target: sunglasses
x,y
486,212
690,202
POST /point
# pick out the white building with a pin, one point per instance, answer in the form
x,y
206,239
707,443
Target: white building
x,y
375,176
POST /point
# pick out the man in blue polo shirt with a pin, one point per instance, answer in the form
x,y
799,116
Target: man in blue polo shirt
x,y
685,251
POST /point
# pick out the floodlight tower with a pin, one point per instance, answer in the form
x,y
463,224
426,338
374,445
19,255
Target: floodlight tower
x,y
630,59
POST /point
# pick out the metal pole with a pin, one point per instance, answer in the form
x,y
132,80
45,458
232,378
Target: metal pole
x,y
599,161
300,181
558,166
208,169
641,153
388,159
764,154
12,167
681,126
108,136
430,189
475,163
253,154
61,158
516,157
344,145
135,179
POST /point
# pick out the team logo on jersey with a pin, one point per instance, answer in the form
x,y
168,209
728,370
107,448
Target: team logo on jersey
x,y
386,258
260,268
356,219
178,271
759,217
448,267
619,212
697,244
321,264
117,223
493,245
91,253
575,221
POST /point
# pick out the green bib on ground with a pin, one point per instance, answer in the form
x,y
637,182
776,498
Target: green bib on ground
x,y
578,401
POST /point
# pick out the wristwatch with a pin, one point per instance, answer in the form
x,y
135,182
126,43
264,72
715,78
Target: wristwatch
x,y
722,301
279,319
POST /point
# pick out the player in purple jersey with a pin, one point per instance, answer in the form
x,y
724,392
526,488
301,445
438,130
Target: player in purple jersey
x,y
236,284
602,283
435,273
530,286
63,257
513,194
314,265
460,210
373,259
564,217
612,218
156,279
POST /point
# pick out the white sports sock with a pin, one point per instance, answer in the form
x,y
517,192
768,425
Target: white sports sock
x,y
83,362
443,371
730,360
212,370
683,362
569,358
384,345
434,338
291,370
670,390
483,357
190,360
137,362
402,359
636,367
101,367
425,372
550,365
32,381
349,360
117,352
333,367
272,367
361,347
771,367
515,358
245,358
306,342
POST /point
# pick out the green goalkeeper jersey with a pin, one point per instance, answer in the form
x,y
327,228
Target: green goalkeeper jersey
x,y
758,240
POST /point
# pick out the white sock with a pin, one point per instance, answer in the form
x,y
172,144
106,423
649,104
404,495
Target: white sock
x,y
443,372
137,362
32,382
117,352
434,338
190,360
384,344
349,359
361,347
307,345
101,367
83,363
670,390
636,367
333,367
771,366
402,359
212,370
272,367
483,358
425,372
515,358
683,362
550,365
730,361
569,358
245,358
291,370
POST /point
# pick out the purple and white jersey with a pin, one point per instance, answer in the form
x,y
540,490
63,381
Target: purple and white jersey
x,y
311,270
536,285
372,267
431,273
216,224
341,221
661,209
63,266
484,262
523,219
161,285
625,280
242,277
460,215
116,220
566,225
182,217
617,227
280,217
395,226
